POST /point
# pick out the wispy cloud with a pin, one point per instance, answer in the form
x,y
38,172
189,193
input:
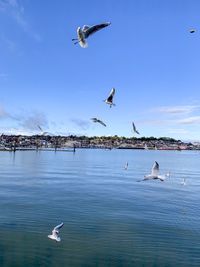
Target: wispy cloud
x,y
177,109
82,124
152,122
3,113
16,10
189,120
3,75
10,45
15,131
32,120
178,131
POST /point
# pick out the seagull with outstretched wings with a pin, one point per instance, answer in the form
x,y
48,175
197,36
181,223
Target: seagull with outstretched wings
x,y
42,132
154,173
99,121
55,233
86,31
109,99
134,128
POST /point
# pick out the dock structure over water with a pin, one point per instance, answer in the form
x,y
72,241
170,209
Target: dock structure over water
x,y
8,149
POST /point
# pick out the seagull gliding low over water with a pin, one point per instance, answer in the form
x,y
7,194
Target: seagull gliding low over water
x,y
55,233
154,173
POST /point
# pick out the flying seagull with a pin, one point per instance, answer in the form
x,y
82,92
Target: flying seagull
x,y
86,31
99,121
42,132
109,100
183,182
154,173
192,30
55,233
126,166
134,128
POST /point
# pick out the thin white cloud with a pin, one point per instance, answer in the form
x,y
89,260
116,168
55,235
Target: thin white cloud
x,y
15,131
3,75
152,122
82,124
189,120
10,45
178,131
177,109
32,120
3,113
16,10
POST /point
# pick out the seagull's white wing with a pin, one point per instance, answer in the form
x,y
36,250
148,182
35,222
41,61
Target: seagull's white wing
x,y
155,169
85,28
58,226
111,95
112,92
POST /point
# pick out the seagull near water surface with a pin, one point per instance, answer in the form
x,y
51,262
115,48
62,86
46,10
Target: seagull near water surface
x,y
126,166
183,182
55,233
86,31
154,173
99,121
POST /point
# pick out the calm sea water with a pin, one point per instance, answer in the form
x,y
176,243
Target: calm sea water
x,y
110,218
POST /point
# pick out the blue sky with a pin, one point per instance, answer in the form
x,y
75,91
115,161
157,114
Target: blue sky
x,y
147,54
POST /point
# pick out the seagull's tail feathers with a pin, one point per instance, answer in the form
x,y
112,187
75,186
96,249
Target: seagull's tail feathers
x,y
83,43
162,177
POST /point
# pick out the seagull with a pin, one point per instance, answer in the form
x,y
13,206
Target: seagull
x,y
134,128
55,233
99,121
192,31
109,100
154,173
42,132
126,166
183,182
86,31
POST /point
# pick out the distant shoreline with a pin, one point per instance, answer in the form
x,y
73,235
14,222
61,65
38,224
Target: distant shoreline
x,y
72,142
71,149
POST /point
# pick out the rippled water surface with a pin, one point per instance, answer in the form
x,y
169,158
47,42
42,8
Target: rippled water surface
x,y
110,218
